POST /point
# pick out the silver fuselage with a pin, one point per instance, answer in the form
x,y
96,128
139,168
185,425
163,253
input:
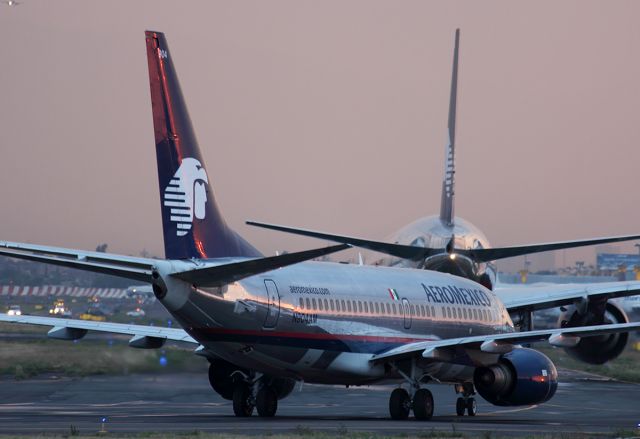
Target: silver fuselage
x,y
322,322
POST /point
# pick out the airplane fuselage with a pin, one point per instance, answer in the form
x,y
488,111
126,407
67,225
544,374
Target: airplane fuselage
x,y
432,232
322,322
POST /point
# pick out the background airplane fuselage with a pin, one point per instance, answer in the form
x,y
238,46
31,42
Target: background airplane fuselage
x,y
322,322
432,232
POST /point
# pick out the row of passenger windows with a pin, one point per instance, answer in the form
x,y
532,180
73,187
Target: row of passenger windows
x,y
386,308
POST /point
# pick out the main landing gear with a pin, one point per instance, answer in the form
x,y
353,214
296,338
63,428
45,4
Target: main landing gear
x,y
466,403
249,394
401,404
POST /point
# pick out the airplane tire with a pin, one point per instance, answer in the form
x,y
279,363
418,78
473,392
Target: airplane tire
x,y
423,405
461,406
472,408
399,404
267,402
242,401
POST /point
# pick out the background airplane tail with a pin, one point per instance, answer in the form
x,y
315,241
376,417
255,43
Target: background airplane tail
x,y
192,224
447,203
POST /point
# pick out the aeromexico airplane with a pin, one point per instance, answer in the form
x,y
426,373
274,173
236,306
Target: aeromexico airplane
x,y
265,323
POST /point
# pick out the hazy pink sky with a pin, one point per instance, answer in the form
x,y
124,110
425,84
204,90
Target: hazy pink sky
x,y
329,115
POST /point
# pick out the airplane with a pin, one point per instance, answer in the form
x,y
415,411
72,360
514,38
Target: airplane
x,y
265,323
445,242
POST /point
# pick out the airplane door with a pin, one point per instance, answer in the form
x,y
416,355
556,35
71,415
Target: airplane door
x,y
273,304
407,313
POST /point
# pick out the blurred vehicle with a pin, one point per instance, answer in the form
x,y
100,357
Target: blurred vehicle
x,y
94,312
14,310
138,312
59,309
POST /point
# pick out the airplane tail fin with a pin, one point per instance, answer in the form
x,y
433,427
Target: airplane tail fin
x,y
447,203
193,226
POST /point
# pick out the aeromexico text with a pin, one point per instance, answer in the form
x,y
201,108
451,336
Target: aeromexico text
x,y
446,294
454,295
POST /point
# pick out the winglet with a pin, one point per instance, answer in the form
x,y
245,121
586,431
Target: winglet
x,y
447,204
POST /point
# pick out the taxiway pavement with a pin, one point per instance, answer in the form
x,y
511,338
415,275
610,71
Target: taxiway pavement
x,y
185,402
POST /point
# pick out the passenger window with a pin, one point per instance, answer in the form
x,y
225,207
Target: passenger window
x,y
388,308
433,311
464,312
393,307
413,310
366,308
349,305
308,303
359,306
427,311
326,305
301,303
377,308
332,305
320,304
475,314
313,301
371,307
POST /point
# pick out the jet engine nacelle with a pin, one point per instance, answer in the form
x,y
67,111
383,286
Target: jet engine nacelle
x,y
601,348
223,376
521,377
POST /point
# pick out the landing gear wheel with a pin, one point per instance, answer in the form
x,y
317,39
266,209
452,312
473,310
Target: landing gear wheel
x,y
472,409
399,404
461,406
266,402
243,402
423,404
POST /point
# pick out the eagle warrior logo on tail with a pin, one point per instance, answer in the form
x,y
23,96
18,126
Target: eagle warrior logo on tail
x,y
186,195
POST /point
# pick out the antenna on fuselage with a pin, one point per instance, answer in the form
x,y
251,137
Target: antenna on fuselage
x,y
447,203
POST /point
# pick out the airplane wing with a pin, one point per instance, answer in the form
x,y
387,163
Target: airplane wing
x,y
532,298
72,329
416,253
502,343
398,250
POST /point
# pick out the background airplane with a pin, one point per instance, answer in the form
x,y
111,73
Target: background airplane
x,y
266,322
444,242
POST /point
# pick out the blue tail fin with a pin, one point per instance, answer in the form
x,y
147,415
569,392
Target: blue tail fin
x,y
192,224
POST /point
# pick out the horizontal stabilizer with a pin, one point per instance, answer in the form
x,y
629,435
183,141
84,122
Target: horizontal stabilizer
x,y
214,276
139,269
492,254
398,250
